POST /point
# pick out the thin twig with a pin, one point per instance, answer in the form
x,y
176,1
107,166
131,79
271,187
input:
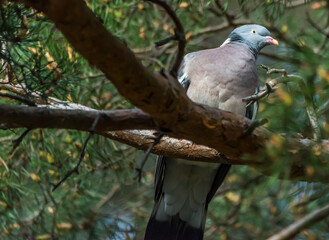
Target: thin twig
x,y
319,29
76,168
229,18
139,170
292,230
297,3
310,110
4,164
97,75
18,141
105,199
54,214
270,85
313,121
311,198
19,98
31,14
38,98
311,113
274,70
263,92
253,125
197,34
179,34
165,41
323,108
314,25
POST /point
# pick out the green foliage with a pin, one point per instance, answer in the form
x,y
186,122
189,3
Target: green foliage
x,y
38,58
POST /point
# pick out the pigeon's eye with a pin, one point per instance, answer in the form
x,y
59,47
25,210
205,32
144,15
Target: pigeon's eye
x,y
253,31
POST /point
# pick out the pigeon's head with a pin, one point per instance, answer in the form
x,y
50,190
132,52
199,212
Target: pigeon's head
x,y
254,36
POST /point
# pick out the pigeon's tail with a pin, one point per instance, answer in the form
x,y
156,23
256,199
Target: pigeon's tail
x,y
182,198
173,228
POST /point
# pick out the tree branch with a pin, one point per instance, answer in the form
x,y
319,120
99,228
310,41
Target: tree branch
x,y
18,98
323,109
179,34
42,117
171,147
270,85
229,18
164,99
295,228
82,154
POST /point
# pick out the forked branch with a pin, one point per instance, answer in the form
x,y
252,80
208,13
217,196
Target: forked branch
x,y
179,34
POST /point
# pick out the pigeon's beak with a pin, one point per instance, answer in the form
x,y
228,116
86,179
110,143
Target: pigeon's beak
x,y
271,40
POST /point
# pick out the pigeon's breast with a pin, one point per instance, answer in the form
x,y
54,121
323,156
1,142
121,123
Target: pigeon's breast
x,y
221,77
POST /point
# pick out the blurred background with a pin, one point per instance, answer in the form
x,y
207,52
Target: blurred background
x,y
104,201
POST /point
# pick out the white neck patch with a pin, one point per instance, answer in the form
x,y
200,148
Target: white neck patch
x,y
227,41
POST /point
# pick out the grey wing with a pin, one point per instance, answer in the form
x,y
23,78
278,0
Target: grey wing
x,y
218,180
158,177
160,165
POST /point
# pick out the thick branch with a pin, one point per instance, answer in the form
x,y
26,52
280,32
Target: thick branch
x,y
41,117
294,169
46,117
171,147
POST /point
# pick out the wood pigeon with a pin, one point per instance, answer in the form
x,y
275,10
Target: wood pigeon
x,y
219,77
